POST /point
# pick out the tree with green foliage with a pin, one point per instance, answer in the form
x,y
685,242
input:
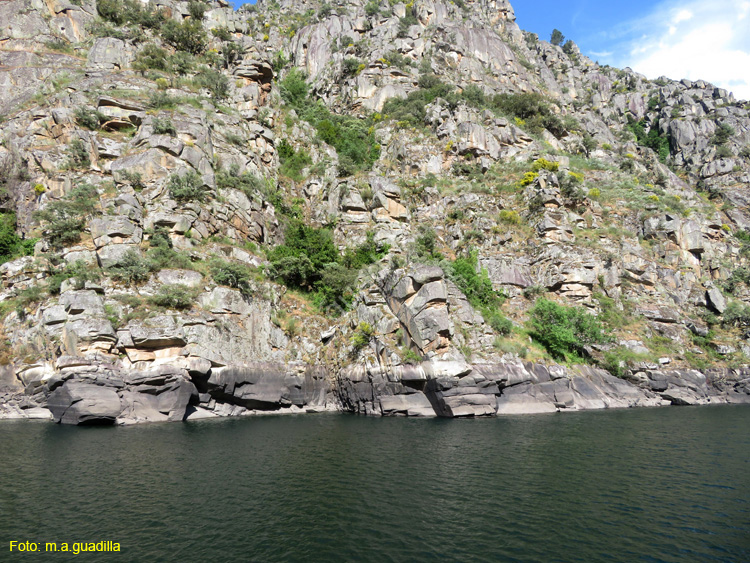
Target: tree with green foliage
x,y
66,218
174,296
78,155
353,138
565,331
214,81
309,260
723,132
132,12
151,57
292,161
197,9
11,245
304,254
231,274
654,139
132,268
188,187
88,118
556,38
187,36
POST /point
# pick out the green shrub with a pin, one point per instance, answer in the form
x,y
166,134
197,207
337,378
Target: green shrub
x,y
533,109
411,110
405,23
534,291
151,57
132,269
246,182
66,218
231,274
564,331
187,36
736,314
231,53
366,253
304,254
475,285
161,100
409,356
361,336
509,217
121,12
161,253
80,272
181,63
174,296
740,275
372,7
11,245
294,89
279,62
133,178
425,244
350,66
394,58
724,152
78,155
335,287
188,187
654,139
617,360
723,132
215,82
353,138
163,126
499,323
221,33
308,260
197,9
88,118
292,162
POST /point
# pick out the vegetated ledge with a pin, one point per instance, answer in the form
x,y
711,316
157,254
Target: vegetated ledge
x,y
83,393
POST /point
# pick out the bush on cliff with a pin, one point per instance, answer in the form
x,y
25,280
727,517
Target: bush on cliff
x,y
564,331
309,260
11,245
352,137
188,187
66,218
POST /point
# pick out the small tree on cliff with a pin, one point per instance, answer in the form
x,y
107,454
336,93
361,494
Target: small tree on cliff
x,y
557,37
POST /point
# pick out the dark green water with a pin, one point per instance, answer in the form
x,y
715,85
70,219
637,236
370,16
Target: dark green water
x,y
669,484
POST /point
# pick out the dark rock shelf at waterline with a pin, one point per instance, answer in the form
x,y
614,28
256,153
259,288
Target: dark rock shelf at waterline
x,y
83,394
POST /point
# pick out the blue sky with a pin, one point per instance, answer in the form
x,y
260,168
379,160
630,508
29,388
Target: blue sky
x,y
692,39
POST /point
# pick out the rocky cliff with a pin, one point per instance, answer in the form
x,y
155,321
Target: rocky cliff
x,y
393,209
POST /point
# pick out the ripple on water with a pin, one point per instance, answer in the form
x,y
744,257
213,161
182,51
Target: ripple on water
x,y
640,485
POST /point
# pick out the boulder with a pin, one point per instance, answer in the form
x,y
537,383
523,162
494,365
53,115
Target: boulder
x,y
84,403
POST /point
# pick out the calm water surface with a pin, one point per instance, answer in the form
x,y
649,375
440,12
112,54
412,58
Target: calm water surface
x,y
651,485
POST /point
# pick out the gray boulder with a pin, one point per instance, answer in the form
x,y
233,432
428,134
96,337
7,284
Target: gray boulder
x,y
84,403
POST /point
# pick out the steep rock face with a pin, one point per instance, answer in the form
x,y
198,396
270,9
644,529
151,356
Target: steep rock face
x,y
152,298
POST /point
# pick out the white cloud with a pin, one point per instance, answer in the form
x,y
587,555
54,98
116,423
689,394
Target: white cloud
x,y
696,40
